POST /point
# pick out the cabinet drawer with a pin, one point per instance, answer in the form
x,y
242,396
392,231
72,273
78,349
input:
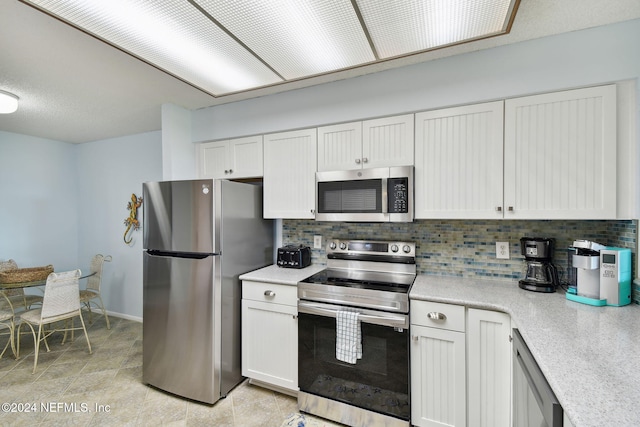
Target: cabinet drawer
x,y
270,292
438,315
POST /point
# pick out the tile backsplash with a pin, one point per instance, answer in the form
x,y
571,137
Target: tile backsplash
x,y
467,248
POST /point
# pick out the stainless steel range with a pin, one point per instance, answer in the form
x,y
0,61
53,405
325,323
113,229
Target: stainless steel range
x,y
353,334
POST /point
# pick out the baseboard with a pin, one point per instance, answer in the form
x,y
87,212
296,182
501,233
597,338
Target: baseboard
x,y
124,316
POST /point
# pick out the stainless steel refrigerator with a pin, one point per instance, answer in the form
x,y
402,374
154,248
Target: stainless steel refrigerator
x,y
199,236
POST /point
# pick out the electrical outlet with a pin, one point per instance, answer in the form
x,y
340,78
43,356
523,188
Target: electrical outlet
x,y
317,242
502,250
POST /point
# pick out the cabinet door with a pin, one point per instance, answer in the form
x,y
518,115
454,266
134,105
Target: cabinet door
x,y
560,155
270,343
489,368
290,174
438,377
213,159
245,157
340,147
459,164
387,142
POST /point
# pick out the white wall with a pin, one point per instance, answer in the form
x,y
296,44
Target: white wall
x,y
582,58
38,202
108,172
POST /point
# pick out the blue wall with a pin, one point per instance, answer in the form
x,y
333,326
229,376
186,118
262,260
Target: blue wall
x,y
62,203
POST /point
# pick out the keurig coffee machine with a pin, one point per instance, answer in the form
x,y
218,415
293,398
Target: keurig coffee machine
x,y
541,275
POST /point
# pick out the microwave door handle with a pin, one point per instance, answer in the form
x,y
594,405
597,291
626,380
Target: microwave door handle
x,y
391,321
385,197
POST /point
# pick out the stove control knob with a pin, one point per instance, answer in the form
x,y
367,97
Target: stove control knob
x,y
332,245
406,249
343,246
394,248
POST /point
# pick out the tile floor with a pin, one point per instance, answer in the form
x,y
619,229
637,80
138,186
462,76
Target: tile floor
x,y
74,388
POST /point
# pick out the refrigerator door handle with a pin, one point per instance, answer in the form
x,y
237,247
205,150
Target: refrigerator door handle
x,y
192,255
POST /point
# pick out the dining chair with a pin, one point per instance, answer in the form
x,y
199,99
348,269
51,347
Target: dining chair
x,y
91,295
18,298
7,321
61,301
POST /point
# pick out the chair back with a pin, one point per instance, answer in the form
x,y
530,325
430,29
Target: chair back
x,y
93,282
61,294
8,266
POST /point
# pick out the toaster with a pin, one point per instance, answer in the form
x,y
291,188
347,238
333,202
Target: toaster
x,y
294,256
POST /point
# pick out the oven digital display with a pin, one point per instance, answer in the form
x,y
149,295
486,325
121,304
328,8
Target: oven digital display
x,y
369,247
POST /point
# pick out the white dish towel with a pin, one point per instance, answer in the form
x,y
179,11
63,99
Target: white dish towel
x,y
348,337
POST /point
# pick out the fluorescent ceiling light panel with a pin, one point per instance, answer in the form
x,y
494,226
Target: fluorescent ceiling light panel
x,y
297,38
225,46
172,35
403,27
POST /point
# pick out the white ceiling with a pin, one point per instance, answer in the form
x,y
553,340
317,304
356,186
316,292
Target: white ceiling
x,y
75,88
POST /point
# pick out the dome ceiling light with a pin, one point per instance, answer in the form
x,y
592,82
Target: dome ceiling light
x,y
8,102
223,47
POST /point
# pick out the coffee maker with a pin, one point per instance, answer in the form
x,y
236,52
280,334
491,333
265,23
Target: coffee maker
x,y
541,275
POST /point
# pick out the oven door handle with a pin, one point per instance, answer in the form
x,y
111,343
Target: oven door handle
x,y
319,310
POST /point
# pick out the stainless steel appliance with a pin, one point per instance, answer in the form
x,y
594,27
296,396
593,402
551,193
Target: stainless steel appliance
x,y
585,258
367,195
534,403
599,275
541,275
372,279
294,256
199,236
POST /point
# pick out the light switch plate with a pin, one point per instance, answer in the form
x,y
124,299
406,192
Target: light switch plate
x,y
317,242
502,250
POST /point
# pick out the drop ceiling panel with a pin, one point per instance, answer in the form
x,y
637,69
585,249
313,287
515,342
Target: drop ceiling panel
x,y
403,27
172,35
296,38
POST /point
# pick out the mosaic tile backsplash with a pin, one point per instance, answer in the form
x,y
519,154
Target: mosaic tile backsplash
x,y
467,248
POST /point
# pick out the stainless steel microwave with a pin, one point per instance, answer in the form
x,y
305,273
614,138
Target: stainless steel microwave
x,y
365,195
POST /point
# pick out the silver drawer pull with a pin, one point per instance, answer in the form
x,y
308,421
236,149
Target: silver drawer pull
x,y
434,315
269,294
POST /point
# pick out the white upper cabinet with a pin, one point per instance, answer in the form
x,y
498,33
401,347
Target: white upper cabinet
x,y
387,141
340,147
290,160
373,143
459,162
560,155
231,159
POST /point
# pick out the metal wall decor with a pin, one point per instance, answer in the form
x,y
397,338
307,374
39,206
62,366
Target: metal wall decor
x,y
132,222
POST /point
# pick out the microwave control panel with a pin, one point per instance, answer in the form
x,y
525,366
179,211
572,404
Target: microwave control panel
x,y
398,195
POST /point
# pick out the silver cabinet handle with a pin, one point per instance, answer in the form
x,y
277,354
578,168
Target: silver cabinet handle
x,y
269,294
226,171
365,160
415,337
357,161
499,208
434,315
510,209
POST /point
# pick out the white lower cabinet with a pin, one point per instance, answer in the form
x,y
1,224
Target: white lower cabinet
x,y
460,366
438,379
270,334
488,368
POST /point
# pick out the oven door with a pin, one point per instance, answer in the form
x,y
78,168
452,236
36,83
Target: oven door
x,y
377,382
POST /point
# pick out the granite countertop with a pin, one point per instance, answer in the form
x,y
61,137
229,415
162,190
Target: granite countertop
x,y
589,355
287,276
